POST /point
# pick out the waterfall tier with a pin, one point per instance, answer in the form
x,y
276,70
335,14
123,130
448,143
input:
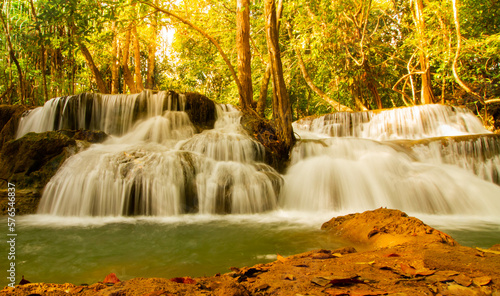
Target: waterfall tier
x,y
417,122
113,114
156,162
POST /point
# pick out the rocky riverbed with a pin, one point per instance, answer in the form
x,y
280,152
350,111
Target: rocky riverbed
x,y
389,253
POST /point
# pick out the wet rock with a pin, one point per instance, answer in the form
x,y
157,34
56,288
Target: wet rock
x,y
30,161
9,121
264,131
201,111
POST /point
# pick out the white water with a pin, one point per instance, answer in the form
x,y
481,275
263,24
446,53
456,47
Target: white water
x,y
161,168
156,164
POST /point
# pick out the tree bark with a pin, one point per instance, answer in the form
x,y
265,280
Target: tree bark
x,y
336,105
127,75
281,104
137,61
95,71
371,84
150,79
12,54
244,54
115,84
42,53
457,54
426,95
261,105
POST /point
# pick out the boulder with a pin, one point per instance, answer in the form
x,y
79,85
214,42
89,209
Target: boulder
x,y
201,111
383,228
30,162
9,121
264,132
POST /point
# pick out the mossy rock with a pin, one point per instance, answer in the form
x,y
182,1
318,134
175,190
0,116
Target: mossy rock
x,y
201,111
9,121
264,131
33,159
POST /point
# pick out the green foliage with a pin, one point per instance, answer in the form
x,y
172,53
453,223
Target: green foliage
x,y
352,49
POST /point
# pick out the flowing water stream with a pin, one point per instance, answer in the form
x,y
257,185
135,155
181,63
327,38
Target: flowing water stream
x,y
158,199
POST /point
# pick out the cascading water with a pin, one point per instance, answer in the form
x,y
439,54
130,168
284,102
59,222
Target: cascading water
x,y
155,164
347,162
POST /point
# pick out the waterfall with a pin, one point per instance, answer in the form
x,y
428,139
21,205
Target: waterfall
x,y
430,159
417,122
351,162
155,164
113,114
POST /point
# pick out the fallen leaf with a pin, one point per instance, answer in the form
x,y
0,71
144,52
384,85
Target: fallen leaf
x,y
412,271
111,279
407,269
482,280
332,281
322,256
392,255
336,292
183,280
280,258
320,281
367,293
290,277
463,280
369,263
262,287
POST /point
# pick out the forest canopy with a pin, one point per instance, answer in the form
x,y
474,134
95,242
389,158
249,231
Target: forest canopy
x,y
334,55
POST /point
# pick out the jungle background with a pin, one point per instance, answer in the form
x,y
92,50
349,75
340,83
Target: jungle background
x,y
335,55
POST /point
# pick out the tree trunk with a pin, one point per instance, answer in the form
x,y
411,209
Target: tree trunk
x,y
127,75
244,55
426,95
371,84
115,83
137,61
22,89
42,53
95,71
261,105
282,111
457,54
150,79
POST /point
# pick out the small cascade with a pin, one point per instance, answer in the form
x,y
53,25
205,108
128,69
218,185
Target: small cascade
x,y
353,170
339,124
354,175
161,167
417,122
479,154
113,114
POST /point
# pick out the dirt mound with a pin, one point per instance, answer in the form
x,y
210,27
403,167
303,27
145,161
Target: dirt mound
x,y
384,228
